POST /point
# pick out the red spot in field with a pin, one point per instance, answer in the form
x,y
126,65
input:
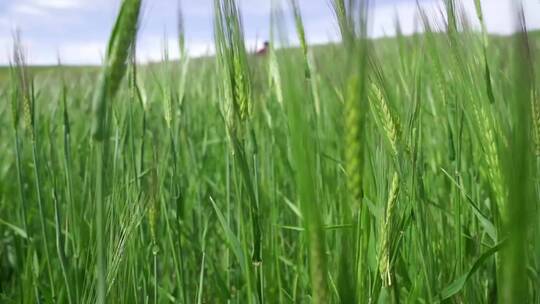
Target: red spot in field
x,y
264,49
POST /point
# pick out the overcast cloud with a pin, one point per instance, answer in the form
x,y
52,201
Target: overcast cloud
x,y
77,30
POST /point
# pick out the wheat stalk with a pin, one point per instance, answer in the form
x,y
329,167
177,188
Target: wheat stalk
x,y
387,233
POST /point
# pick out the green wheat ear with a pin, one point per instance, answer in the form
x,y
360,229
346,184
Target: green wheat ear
x,y
120,42
385,266
23,88
535,105
384,115
353,148
153,196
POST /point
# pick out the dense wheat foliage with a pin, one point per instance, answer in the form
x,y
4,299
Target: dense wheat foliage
x,y
397,170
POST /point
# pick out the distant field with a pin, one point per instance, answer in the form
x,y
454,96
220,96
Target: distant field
x,y
396,170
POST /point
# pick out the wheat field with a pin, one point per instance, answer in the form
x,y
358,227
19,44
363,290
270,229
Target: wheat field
x,y
394,170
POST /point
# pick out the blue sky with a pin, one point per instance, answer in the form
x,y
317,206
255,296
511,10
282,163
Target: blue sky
x,y
77,30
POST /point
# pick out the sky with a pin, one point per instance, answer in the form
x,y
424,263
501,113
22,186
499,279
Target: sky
x,y
77,30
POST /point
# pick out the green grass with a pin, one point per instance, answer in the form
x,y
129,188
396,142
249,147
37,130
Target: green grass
x,y
396,170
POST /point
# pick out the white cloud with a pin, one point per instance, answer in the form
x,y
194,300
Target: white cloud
x,y
44,7
34,15
151,48
29,9
4,22
59,4
5,50
82,53
499,15
255,8
40,53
